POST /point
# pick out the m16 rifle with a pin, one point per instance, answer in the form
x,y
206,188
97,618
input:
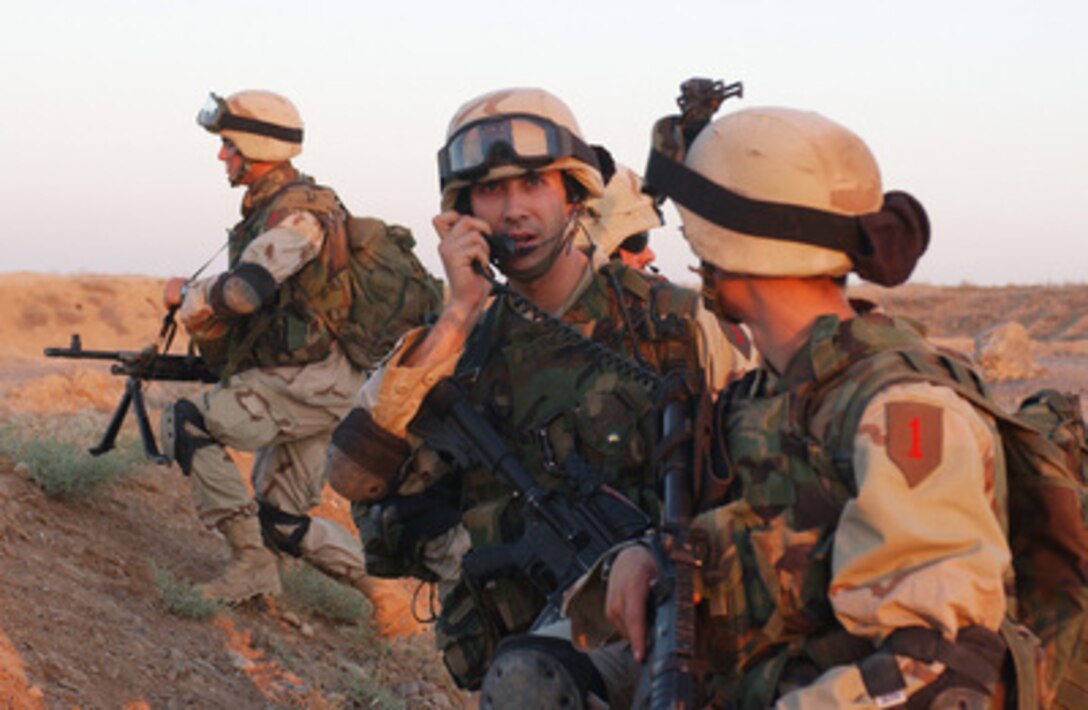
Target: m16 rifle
x,y
140,366
564,535
671,674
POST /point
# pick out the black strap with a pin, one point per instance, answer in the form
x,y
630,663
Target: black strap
x,y
270,517
369,446
255,276
837,648
976,654
628,323
772,220
233,122
882,678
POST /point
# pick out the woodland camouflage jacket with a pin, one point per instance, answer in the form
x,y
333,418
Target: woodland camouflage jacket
x,y
536,387
817,550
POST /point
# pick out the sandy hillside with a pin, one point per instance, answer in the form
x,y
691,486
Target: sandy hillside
x,y
82,623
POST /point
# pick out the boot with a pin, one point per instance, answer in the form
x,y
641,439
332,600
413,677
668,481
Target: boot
x,y
392,604
336,552
252,570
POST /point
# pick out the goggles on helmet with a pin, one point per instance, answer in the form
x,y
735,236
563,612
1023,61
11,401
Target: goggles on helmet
x,y
524,140
215,116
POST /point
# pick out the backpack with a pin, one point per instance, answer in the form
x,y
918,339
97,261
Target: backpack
x,y
1046,458
391,291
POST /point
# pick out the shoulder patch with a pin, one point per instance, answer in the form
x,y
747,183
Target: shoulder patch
x,y
915,438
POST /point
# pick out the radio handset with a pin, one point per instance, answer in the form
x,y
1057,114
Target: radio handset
x,y
501,248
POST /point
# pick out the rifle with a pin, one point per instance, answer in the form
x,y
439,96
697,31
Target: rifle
x,y
139,366
563,538
669,676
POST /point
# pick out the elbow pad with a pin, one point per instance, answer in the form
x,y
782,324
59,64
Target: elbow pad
x,y
364,460
242,290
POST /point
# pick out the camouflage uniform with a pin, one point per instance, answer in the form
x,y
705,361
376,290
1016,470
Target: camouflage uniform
x,y
819,556
525,381
287,382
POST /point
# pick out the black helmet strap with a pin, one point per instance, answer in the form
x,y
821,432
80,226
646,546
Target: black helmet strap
x,y
883,246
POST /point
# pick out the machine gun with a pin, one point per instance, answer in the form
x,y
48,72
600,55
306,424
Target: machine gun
x,y
564,535
670,676
139,366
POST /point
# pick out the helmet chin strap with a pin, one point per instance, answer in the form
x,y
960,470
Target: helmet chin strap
x,y
238,178
556,244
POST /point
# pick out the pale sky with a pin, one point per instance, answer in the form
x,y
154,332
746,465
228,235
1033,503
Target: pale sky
x,y
976,107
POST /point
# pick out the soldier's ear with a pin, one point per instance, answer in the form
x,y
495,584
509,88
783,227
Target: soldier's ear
x,y
576,192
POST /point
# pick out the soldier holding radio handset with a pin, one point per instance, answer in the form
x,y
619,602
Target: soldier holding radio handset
x,y
515,175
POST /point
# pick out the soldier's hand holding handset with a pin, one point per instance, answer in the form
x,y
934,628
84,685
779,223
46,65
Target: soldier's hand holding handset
x,y
462,245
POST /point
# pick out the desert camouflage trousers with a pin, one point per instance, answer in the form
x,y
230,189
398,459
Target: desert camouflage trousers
x,y
285,416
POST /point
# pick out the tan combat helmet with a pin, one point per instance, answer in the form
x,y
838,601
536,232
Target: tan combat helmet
x,y
623,211
785,157
264,126
510,132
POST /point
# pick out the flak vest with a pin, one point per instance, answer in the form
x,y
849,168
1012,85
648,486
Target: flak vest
x,y
561,400
301,323
771,626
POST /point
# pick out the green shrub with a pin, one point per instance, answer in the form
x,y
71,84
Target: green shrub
x,y
308,590
180,597
63,468
367,693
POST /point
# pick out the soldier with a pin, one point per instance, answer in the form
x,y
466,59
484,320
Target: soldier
x,y
515,164
619,224
869,574
269,326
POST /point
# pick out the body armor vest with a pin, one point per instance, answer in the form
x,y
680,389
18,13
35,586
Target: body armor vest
x,y
548,397
789,458
301,322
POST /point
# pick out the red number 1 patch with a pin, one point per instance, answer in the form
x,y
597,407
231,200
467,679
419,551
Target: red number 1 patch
x,y
915,438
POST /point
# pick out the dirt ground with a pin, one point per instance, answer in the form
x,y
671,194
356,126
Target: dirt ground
x,y
81,621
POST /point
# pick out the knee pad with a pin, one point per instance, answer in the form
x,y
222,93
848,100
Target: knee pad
x,y
281,530
530,672
182,432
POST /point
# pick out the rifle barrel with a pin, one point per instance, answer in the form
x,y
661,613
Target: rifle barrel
x,y
81,354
